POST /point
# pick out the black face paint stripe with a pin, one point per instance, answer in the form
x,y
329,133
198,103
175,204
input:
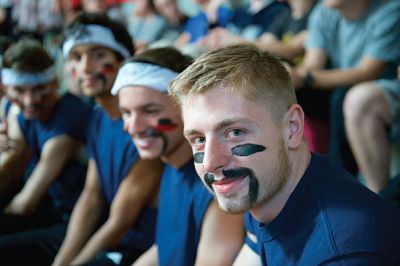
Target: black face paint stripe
x,y
247,149
209,179
233,173
198,157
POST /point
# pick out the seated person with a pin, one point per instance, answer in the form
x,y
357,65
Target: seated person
x,y
370,109
169,9
114,219
41,175
213,13
190,226
250,153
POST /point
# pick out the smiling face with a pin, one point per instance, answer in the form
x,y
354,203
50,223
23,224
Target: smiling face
x,y
152,120
35,101
93,69
238,148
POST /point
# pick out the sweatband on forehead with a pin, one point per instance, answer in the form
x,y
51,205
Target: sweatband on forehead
x,y
94,34
12,77
145,75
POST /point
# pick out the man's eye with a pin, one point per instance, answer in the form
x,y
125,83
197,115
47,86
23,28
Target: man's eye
x,y
235,132
198,140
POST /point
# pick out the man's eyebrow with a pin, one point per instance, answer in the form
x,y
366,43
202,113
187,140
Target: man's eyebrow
x,y
224,123
230,121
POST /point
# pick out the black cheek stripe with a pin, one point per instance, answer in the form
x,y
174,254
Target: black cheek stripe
x,y
198,157
247,149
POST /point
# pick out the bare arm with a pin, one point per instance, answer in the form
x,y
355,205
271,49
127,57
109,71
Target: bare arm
x,y
136,191
84,219
149,258
222,235
55,154
14,154
291,50
315,59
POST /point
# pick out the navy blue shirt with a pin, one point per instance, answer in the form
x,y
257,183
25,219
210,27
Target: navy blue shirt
x,y
115,154
330,219
183,203
69,117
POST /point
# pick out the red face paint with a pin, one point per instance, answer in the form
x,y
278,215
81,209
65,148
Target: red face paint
x,y
165,125
74,73
108,69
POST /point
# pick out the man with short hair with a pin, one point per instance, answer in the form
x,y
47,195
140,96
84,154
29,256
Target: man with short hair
x,y
190,226
246,131
40,171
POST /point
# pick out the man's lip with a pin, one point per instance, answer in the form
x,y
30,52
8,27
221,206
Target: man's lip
x,y
145,142
227,185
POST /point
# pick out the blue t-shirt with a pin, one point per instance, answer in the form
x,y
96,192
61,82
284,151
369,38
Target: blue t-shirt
x,y
115,154
183,203
69,117
376,34
331,219
250,26
197,26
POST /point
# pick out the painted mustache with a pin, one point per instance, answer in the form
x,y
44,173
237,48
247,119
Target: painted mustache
x,y
239,150
164,125
228,174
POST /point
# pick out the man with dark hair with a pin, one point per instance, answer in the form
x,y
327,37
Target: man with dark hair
x,y
251,155
113,221
41,176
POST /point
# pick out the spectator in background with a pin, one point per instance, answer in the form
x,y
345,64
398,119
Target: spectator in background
x,y
114,219
6,22
145,25
252,19
348,42
41,174
372,120
213,13
176,22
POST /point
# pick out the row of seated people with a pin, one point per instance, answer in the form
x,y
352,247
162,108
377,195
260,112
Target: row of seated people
x,y
80,250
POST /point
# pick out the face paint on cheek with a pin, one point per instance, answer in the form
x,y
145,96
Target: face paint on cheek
x,y
247,149
198,157
209,179
108,69
165,124
74,73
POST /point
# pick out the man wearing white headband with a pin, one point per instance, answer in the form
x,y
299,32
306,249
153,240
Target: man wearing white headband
x,y
191,229
41,175
118,182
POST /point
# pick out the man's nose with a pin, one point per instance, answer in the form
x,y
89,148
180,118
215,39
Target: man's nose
x,y
216,155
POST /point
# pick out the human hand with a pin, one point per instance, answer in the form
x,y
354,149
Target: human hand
x,y
5,142
19,206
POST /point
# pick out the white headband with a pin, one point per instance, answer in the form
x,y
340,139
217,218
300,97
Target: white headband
x,y
12,77
143,74
94,34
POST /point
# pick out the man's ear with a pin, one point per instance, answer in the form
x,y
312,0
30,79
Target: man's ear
x,y
294,126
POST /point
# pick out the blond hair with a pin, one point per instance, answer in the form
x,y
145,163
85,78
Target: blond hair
x,y
242,68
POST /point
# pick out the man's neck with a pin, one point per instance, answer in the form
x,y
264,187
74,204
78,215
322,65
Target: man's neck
x,y
179,156
354,10
109,104
265,212
301,8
